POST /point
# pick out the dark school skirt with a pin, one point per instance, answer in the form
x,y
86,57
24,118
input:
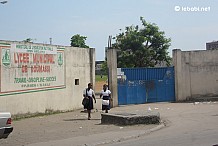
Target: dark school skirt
x,y
89,106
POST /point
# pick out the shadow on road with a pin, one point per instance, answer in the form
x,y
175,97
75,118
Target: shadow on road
x,y
70,120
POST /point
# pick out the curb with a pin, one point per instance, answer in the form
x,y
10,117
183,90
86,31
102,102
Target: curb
x,y
162,125
123,118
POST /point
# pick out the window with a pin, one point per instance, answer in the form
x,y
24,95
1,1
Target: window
x,y
76,81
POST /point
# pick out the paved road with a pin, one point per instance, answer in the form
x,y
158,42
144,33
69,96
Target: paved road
x,y
195,125
186,122
60,127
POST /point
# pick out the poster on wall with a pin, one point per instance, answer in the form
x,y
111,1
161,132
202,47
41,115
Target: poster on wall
x,y
31,67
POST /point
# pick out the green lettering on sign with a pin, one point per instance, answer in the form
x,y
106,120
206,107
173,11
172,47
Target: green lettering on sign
x,y
19,80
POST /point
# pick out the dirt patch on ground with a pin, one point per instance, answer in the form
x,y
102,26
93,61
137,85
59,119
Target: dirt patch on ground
x,y
99,86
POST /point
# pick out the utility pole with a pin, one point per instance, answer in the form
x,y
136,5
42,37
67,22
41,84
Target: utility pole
x,y
50,40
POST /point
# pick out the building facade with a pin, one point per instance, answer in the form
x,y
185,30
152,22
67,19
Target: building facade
x,y
212,45
40,77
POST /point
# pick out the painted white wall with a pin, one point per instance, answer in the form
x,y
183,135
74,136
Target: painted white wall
x,y
196,74
79,64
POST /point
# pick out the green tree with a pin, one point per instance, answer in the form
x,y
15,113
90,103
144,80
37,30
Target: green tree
x,y
28,40
78,41
104,68
142,47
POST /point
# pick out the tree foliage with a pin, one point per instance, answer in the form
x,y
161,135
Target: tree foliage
x,y
28,40
142,47
78,41
104,68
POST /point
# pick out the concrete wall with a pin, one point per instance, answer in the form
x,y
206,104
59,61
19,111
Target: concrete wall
x,y
196,74
112,80
78,63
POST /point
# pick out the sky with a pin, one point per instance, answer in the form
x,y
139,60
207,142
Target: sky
x,y
189,23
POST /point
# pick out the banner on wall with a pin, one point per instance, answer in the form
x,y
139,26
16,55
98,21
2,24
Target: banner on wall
x,y
31,67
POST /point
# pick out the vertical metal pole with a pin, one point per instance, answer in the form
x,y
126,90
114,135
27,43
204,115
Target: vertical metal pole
x,y
50,39
109,46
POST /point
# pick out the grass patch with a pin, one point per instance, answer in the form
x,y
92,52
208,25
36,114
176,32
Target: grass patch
x,y
99,78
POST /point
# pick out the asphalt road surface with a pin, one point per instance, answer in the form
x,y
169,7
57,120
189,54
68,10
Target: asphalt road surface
x,y
187,124
196,126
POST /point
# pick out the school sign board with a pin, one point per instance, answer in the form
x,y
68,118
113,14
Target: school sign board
x,y
27,67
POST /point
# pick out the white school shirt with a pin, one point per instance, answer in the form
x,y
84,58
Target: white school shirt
x,y
89,93
105,93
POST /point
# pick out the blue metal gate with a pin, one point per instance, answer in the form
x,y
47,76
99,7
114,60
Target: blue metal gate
x,y
143,85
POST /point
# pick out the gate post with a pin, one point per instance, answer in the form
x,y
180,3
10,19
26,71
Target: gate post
x,y
112,73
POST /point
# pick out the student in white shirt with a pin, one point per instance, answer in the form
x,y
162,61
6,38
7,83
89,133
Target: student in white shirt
x,y
105,95
89,94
